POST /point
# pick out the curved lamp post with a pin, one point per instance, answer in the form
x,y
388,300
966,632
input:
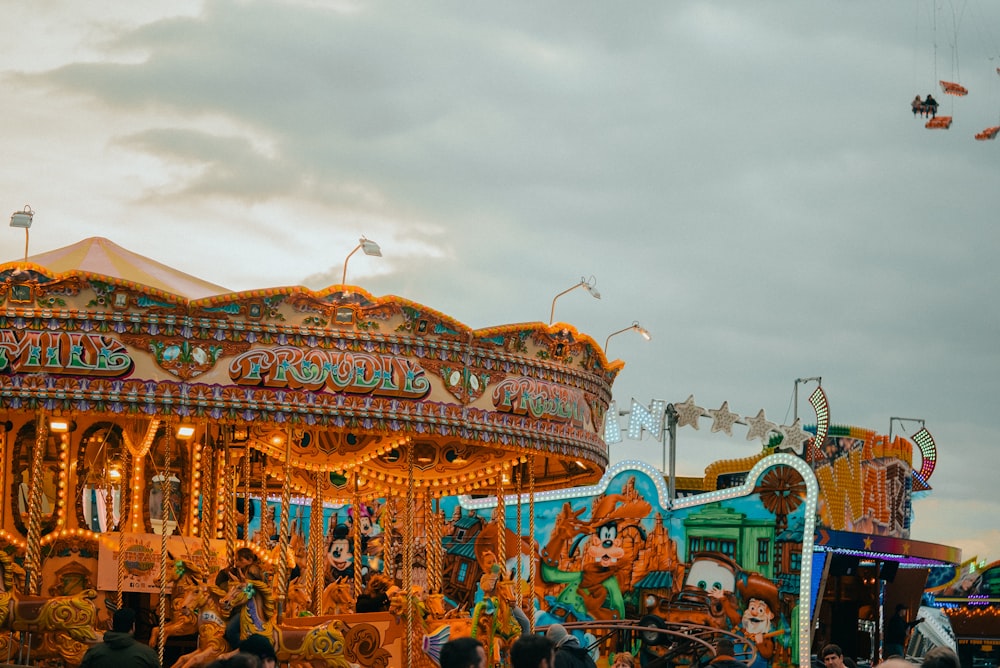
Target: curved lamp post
x,y
643,332
368,246
589,285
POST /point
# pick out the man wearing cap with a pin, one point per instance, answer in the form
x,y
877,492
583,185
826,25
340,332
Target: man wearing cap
x,y
569,654
260,647
120,648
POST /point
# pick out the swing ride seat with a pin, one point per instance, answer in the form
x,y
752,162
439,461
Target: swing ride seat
x,y
924,109
938,123
988,133
952,88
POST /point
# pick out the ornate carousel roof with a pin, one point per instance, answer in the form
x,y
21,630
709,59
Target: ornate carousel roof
x,y
379,390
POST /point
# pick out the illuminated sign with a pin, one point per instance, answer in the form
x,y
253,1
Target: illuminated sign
x,y
73,353
361,373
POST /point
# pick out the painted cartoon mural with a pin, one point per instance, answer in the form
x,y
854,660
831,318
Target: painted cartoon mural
x,y
729,560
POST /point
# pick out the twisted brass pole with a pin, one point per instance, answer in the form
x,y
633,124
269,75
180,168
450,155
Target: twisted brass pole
x,y
33,549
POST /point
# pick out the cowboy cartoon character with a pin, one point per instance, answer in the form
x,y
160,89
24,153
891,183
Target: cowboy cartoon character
x,y
760,596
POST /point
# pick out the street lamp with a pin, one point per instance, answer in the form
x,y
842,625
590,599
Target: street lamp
x,y
590,286
368,246
643,332
23,220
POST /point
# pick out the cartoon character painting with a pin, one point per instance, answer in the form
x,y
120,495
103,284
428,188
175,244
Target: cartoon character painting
x,y
760,597
340,555
594,589
616,553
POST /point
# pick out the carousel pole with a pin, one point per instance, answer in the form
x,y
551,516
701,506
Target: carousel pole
x,y
283,532
4,448
316,544
519,491
501,520
161,643
531,532
229,505
207,526
434,561
356,538
33,550
408,553
247,501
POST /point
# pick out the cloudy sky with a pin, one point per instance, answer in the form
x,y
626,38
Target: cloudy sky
x,y
744,179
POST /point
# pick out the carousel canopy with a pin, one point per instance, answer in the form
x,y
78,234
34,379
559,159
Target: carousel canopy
x,y
101,257
367,393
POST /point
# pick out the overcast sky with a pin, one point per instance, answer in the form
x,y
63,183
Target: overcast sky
x,y
744,179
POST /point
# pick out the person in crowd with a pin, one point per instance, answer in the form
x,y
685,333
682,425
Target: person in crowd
x,y
120,648
623,659
260,647
463,653
941,657
833,656
725,655
532,651
569,653
896,662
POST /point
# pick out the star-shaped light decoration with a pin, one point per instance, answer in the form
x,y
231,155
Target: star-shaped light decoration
x,y
794,436
688,413
760,427
723,419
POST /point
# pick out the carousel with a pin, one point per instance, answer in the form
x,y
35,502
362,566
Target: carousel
x,y
209,458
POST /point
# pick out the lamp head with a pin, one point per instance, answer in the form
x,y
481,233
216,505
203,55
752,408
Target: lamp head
x,y
23,218
643,332
185,431
369,247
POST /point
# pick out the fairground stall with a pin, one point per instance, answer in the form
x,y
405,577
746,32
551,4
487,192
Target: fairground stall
x,y
154,424
969,595
834,535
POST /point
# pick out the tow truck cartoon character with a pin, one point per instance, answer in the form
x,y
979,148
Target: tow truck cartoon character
x,y
594,591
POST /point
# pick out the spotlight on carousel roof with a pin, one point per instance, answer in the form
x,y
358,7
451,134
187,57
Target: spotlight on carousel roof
x,y
643,332
590,285
23,218
368,246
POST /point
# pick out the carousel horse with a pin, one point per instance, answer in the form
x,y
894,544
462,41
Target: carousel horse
x,y
59,626
184,576
75,615
299,600
320,646
202,601
338,598
492,621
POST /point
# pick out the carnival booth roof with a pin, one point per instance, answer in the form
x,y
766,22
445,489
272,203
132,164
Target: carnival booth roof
x,y
379,391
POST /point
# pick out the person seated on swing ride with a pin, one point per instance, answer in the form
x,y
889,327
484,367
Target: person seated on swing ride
x,y
930,106
917,105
